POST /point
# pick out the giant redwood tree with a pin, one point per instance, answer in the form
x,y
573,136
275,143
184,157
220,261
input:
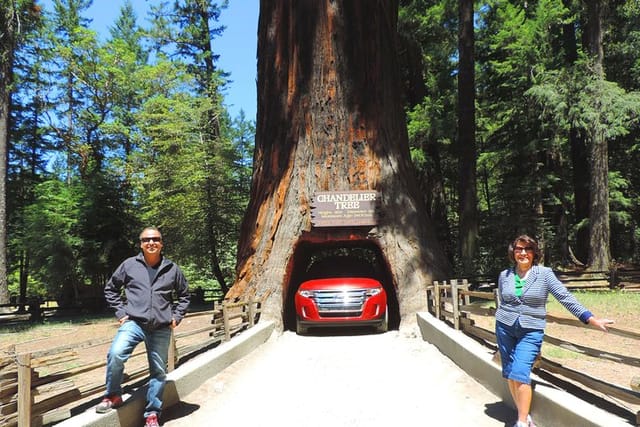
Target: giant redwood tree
x,y
330,118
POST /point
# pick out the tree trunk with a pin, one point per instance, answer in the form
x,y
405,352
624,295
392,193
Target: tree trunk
x,y
7,46
581,191
468,198
579,157
599,226
330,118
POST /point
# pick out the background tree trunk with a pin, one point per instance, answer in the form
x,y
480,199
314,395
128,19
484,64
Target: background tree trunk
x,y
468,201
7,45
330,118
599,226
579,159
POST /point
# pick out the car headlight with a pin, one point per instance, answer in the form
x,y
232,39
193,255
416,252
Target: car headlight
x,y
372,292
306,294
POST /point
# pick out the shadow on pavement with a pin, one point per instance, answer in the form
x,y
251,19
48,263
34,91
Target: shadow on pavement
x,y
501,412
179,410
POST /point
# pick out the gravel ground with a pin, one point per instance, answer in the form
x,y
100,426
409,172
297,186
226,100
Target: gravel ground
x,y
341,379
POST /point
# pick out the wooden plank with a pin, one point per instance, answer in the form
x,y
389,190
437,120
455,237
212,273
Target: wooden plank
x,y
231,305
479,311
10,407
600,354
53,359
195,332
81,392
587,285
478,294
479,333
225,317
8,390
438,304
455,300
575,322
253,308
74,346
24,390
618,392
199,314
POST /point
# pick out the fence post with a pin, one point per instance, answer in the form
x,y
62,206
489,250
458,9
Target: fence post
x,y
252,311
465,286
455,302
436,298
225,322
613,277
464,300
171,357
24,389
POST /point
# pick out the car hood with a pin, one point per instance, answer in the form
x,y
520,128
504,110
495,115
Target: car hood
x,y
340,283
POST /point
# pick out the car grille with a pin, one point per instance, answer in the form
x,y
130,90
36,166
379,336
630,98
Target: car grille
x,y
337,303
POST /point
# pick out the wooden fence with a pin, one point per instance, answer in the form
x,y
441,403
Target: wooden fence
x,y
452,302
35,386
614,278
37,309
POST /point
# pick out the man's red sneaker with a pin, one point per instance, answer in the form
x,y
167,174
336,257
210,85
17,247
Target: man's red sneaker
x,y
108,403
152,421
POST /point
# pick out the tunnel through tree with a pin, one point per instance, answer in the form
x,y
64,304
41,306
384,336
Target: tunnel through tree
x,y
330,119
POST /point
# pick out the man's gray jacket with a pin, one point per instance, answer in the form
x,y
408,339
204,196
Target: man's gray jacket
x,y
148,302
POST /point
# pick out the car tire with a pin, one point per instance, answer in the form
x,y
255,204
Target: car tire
x,y
300,330
384,325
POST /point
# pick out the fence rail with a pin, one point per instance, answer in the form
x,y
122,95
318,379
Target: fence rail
x,y
37,309
451,302
46,374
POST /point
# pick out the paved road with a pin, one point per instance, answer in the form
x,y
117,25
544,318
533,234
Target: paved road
x,y
334,380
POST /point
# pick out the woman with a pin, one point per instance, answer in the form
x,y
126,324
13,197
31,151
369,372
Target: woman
x,y
520,318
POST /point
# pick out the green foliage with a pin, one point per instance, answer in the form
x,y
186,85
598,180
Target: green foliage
x,y
51,235
529,97
188,178
109,136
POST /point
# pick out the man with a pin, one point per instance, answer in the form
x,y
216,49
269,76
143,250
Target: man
x,y
147,313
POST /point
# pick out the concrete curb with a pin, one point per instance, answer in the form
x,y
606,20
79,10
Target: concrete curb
x,y
180,382
551,406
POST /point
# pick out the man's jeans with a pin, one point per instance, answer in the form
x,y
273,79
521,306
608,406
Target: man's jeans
x,y
129,335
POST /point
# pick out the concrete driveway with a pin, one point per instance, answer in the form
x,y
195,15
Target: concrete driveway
x,y
341,379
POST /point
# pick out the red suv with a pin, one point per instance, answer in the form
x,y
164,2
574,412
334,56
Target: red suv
x,y
341,291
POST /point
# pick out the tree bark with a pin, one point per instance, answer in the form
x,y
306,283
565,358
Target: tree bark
x,y
579,159
599,226
330,118
467,175
7,47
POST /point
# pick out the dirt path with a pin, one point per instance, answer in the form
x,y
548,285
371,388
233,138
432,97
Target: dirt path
x,y
341,380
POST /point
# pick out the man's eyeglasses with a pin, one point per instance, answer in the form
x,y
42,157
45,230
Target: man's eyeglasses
x,y
151,239
519,249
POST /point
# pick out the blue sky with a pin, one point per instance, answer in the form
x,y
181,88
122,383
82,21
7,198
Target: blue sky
x,y
237,46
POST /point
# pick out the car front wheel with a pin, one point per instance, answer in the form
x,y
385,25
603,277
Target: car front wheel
x,y
300,330
384,325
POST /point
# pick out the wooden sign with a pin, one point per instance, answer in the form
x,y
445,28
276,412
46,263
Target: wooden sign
x,y
344,208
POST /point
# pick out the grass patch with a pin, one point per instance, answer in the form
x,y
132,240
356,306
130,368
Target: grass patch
x,y
609,304
554,352
27,331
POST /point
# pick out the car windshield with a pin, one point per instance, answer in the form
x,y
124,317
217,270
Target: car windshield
x,y
341,266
